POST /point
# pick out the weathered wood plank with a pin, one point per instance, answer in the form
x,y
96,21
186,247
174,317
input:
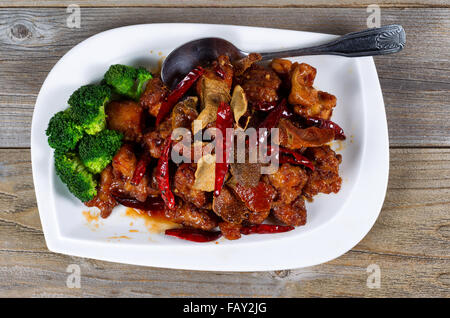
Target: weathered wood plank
x,y
415,82
224,3
16,112
418,200
409,242
28,274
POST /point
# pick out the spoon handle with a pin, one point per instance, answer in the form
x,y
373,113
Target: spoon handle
x,y
385,40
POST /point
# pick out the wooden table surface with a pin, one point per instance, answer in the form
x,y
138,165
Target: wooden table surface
x,y
410,240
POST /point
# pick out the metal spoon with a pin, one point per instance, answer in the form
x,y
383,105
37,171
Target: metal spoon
x,y
377,41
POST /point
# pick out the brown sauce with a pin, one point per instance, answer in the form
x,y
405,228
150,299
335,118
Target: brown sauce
x,y
155,222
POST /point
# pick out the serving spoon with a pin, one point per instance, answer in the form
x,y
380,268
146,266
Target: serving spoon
x,y
385,40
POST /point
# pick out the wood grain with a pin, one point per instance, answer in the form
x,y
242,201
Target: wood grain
x,y
415,82
224,3
410,243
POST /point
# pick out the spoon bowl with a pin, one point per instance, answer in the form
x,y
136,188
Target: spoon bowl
x,y
377,41
196,53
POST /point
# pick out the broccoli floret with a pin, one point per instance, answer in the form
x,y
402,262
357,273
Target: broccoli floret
x,y
97,151
63,133
127,80
78,179
88,107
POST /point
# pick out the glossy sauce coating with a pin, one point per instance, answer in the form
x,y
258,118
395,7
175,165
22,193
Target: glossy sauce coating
x,y
142,175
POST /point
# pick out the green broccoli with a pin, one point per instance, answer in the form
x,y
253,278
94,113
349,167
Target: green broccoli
x,y
88,107
63,133
97,151
127,80
78,179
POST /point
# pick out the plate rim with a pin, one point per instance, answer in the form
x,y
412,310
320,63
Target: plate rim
x,y
371,91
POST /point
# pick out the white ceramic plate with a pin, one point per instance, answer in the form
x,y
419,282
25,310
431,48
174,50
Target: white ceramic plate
x,y
336,222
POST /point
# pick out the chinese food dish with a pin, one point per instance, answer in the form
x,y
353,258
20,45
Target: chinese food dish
x,y
115,143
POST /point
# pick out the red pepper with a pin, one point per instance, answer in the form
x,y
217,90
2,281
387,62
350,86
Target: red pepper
x,y
265,229
224,121
152,204
323,123
274,116
297,158
162,175
317,122
219,71
287,155
287,113
141,168
271,121
295,161
265,106
181,89
194,235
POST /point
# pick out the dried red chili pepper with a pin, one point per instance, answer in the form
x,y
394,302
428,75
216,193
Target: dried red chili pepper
x,y
287,113
265,229
194,235
286,155
162,175
297,158
274,116
141,168
317,122
152,204
224,121
181,89
295,161
219,71
271,121
264,106
323,123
